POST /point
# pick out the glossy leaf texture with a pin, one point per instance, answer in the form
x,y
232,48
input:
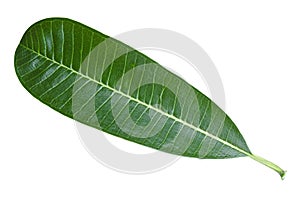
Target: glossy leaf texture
x,y
108,85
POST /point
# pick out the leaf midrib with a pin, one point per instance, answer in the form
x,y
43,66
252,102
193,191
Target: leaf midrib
x,y
141,102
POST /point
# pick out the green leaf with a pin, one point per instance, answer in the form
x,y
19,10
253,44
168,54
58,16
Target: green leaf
x,y
108,85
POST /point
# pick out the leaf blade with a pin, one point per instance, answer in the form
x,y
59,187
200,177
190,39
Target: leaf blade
x,y
106,84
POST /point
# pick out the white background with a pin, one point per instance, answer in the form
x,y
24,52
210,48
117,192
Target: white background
x,y
256,48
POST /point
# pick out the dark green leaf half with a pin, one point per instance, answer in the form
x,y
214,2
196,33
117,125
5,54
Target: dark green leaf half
x,y
108,85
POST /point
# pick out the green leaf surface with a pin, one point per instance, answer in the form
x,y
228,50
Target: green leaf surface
x,y
108,85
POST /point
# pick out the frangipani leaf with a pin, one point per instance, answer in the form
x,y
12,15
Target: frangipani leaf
x,y
108,85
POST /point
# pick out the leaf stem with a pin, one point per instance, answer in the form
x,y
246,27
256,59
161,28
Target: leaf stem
x,y
269,164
